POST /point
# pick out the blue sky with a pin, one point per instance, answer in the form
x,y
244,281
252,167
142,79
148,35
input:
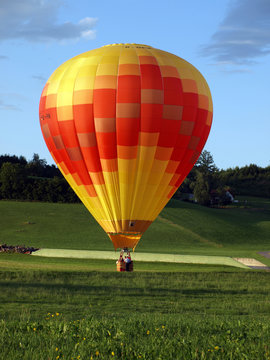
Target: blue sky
x,y
228,41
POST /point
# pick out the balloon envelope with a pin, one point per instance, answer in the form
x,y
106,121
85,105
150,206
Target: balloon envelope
x,y
125,124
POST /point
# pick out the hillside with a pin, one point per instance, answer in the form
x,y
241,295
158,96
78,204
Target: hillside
x,y
181,228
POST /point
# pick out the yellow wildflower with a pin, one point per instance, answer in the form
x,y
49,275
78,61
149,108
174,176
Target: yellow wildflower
x,y
97,353
34,329
56,349
52,315
57,357
148,332
57,314
216,347
84,338
112,353
163,327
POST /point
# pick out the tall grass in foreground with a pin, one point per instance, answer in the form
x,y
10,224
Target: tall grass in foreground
x,y
135,337
49,315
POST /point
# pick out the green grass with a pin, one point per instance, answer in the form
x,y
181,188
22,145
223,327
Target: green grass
x,y
182,228
78,314
59,308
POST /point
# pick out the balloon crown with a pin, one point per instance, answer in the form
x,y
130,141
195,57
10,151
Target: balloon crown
x,y
127,45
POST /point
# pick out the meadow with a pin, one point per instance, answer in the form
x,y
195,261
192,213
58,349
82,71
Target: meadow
x,y
82,309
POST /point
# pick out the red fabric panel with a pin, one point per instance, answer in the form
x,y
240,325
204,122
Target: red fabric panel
x,y
169,133
104,103
151,117
68,134
127,131
191,99
106,145
91,157
83,118
129,89
173,92
151,77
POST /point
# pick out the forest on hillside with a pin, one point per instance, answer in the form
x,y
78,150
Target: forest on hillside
x,y
35,180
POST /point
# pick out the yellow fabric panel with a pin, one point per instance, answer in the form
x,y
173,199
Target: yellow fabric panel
x,y
146,156
52,87
57,74
143,51
110,51
128,56
145,159
104,200
127,176
66,85
64,98
84,83
87,70
126,170
160,191
91,60
107,69
157,171
112,189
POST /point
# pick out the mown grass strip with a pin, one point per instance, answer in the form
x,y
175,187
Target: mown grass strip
x,y
146,257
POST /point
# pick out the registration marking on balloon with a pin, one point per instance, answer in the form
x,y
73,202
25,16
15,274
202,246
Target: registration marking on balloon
x,y
125,124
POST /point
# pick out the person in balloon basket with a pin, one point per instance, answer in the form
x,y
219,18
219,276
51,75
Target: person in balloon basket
x,y
120,263
127,262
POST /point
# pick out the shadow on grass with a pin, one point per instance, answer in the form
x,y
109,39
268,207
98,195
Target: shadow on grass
x,y
120,290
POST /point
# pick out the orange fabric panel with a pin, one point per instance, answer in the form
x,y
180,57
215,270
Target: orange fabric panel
x,y
127,152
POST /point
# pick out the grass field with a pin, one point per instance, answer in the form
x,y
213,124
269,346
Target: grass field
x,y
182,228
59,308
145,315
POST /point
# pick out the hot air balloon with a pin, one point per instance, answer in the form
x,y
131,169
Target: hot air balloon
x,y
125,124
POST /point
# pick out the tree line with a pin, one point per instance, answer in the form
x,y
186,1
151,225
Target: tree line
x,y
35,180
211,186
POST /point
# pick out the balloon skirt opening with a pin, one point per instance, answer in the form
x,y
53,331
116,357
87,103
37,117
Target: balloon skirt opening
x,y
125,240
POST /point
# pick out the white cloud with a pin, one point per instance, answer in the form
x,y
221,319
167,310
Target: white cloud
x,y
244,34
36,21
